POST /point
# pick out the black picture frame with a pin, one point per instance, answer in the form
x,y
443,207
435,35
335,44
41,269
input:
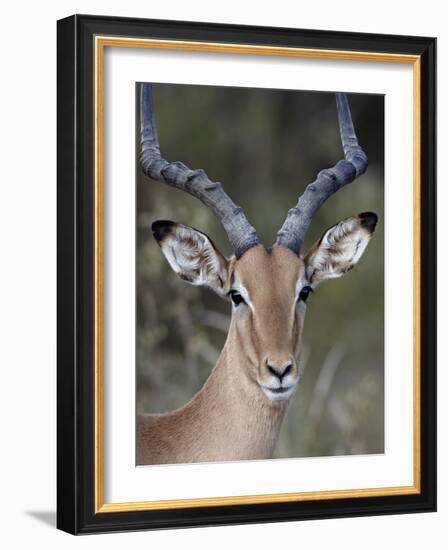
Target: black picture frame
x,y
76,511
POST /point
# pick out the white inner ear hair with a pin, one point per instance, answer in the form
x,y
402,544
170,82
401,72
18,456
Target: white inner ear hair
x,y
192,256
339,250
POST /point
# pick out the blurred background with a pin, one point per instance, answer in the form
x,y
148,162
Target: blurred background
x,y
265,146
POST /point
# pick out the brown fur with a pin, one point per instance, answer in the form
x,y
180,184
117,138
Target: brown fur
x,y
232,417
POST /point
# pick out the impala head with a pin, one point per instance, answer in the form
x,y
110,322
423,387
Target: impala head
x,y
268,288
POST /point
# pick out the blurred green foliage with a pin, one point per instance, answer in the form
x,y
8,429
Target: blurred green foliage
x,y
265,146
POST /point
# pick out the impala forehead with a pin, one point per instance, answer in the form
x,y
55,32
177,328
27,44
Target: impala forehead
x,y
260,272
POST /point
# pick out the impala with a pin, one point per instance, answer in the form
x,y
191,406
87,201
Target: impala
x,y
239,410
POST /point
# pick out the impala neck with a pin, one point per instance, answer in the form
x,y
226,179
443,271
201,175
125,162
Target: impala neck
x,y
240,422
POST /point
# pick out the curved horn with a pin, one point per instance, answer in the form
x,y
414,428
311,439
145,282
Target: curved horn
x,y
292,232
241,234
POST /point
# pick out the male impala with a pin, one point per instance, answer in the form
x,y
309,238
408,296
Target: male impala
x,y
238,412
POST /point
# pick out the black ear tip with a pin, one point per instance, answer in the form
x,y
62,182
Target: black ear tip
x,y
162,228
368,220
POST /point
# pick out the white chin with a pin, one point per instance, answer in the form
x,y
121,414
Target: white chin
x,y
278,396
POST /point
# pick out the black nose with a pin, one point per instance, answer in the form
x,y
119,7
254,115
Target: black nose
x,y
279,373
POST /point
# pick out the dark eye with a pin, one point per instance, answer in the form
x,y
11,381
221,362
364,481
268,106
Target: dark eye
x,y
237,299
305,292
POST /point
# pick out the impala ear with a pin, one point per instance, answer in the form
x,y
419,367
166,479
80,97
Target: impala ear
x,y
192,255
340,248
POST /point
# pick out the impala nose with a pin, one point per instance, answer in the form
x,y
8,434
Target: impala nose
x,y
279,372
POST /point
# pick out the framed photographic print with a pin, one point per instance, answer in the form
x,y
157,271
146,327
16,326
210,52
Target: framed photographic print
x,y
216,185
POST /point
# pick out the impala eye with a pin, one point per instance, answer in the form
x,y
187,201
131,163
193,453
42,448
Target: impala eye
x,y
304,293
237,299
